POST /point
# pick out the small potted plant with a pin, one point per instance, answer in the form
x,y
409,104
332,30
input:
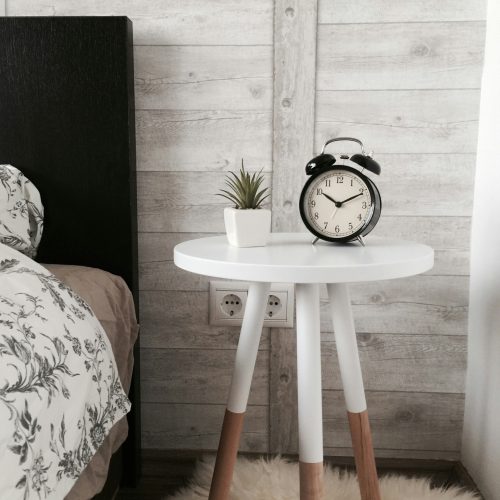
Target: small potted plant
x,y
247,223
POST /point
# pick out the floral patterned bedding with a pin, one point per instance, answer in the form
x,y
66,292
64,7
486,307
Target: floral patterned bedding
x,y
60,393
21,211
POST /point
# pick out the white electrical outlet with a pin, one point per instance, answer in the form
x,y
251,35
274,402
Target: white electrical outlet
x,y
228,300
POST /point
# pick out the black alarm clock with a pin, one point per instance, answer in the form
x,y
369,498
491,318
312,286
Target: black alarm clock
x,y
339,203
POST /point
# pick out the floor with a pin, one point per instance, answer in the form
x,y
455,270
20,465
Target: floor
x,y
164,472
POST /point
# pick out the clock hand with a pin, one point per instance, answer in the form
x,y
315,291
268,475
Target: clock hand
x,y
337,203
351,198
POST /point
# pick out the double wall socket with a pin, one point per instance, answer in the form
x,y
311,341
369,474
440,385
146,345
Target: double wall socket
x,y
228,300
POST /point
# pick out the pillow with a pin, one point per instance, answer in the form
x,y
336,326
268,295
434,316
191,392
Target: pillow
x,y
21,211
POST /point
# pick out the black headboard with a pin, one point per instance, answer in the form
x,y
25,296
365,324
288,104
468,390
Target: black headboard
x,y
67,122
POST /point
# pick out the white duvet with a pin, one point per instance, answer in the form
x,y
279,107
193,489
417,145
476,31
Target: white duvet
x,y
59,387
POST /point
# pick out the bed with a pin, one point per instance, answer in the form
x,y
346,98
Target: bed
x,y
67,111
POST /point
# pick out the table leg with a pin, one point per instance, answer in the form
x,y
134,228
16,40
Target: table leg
x,y
244,365
309,392
352,380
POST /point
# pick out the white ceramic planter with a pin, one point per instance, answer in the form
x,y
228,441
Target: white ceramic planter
x,y
247,228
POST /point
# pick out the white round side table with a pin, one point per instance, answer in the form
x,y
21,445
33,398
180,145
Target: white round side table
x,y
291,258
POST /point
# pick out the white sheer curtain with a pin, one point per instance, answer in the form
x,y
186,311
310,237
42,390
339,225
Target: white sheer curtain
x,y
481,437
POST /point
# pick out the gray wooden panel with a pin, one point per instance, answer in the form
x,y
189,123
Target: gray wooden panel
x,y
187,201
196,78
449,236
163,189
182,218
404,318
167,276
197,376
455,262
179,320
405,421
400,56
283,390
399,420
423,363
3,10
440,184
178,140
421,289
440,233
410,184
165,201
426,305
394,11
197,427
293,107
171,22
159,247
401,121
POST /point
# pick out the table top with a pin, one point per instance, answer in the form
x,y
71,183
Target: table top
x,y
291,258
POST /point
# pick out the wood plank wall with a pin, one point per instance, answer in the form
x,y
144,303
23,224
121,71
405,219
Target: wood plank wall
x,y
405,77
402,75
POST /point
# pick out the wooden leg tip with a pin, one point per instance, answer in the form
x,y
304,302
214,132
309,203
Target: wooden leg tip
x,y
311,481
364,456
226,456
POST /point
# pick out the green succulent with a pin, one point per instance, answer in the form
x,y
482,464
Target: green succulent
x,y
244,188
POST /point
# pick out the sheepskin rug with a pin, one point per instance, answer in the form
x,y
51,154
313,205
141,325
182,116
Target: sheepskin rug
x,y
278,479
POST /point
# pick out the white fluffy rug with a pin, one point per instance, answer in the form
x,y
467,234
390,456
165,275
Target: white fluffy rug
x,y
278,479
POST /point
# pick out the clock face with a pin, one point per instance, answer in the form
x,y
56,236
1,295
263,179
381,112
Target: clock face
x,y
337,204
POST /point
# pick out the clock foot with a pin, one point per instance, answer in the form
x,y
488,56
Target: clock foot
x,y
315,241
361,240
